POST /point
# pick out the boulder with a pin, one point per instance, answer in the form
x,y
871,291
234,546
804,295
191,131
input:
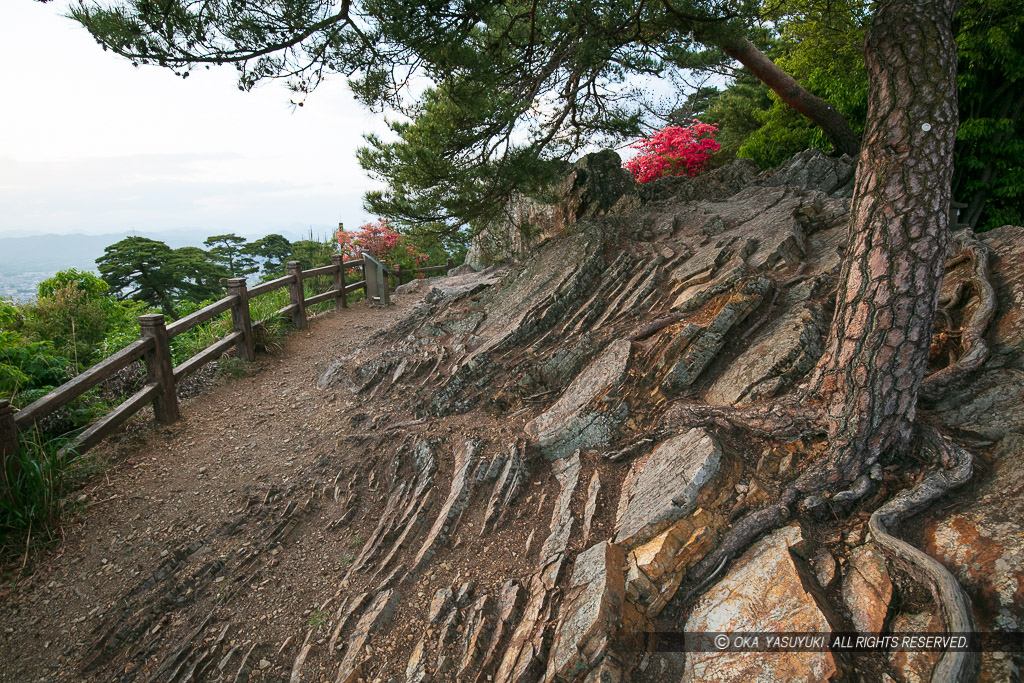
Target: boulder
x,y
1006,332
585,415
915,667
780,354
591,611
981,541
595,185
656,568
992,407
715,185
762,592
812,169
662,487
867,588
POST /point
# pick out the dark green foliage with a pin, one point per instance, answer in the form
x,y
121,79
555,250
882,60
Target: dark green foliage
x,y
313,253
151,272
232,253
820,46
739,111
30,369
989,174
91,286
822,49
137,268
75,313
274,250
196,274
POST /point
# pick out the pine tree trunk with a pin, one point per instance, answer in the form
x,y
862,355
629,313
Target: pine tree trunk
x,y
877,351
831,122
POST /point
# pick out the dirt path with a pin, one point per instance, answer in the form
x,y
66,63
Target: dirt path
x,y
181,515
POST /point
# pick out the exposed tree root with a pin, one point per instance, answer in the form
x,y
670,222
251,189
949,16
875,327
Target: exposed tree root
x,y
784,417
818,484
950,598
972,340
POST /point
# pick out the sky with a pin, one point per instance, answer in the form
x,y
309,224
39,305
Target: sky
x,y
90,144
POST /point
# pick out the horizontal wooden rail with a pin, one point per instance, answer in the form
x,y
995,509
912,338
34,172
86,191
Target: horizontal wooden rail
x,y
201,316
400,272
324,296
154,349
322,270
77,386
211,352
112,420
270,285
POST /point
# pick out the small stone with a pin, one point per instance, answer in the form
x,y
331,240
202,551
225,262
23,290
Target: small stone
x,y
264,664
824,568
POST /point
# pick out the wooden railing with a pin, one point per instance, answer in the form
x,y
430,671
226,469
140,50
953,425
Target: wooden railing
x,y
153,347
399,273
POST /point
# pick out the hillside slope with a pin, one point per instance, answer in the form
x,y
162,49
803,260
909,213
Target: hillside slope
x,y
493,486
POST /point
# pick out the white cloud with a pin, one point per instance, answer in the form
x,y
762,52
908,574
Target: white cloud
x,y
93,144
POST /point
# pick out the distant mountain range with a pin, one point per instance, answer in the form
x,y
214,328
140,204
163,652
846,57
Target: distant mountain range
x,y
27,261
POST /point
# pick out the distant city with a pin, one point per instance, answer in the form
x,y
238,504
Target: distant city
x,y
22,287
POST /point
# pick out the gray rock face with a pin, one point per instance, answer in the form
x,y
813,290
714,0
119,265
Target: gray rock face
x,y
597,184
1006,333
867,588
993,406
574,421
591,611
704,345
662,487
562,519
717,185
781,353
982,543
812,169
762,591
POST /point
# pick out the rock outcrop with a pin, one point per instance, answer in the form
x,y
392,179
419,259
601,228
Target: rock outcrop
x,y
762,593
499,496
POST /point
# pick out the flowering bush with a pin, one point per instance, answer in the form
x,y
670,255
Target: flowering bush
x,y
383,243
674,150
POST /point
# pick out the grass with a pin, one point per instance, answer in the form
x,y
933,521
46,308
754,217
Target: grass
x,y
318,618
32,490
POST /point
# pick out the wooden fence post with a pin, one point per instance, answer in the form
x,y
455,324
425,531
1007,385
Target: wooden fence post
x,y
8,430
241,320
448,265
159,368
8,444
339,280
385,285
297,296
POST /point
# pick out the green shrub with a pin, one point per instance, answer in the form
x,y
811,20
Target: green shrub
x,y
34,482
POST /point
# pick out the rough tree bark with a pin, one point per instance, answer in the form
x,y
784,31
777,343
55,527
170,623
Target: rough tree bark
x,y
863,392
877,350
